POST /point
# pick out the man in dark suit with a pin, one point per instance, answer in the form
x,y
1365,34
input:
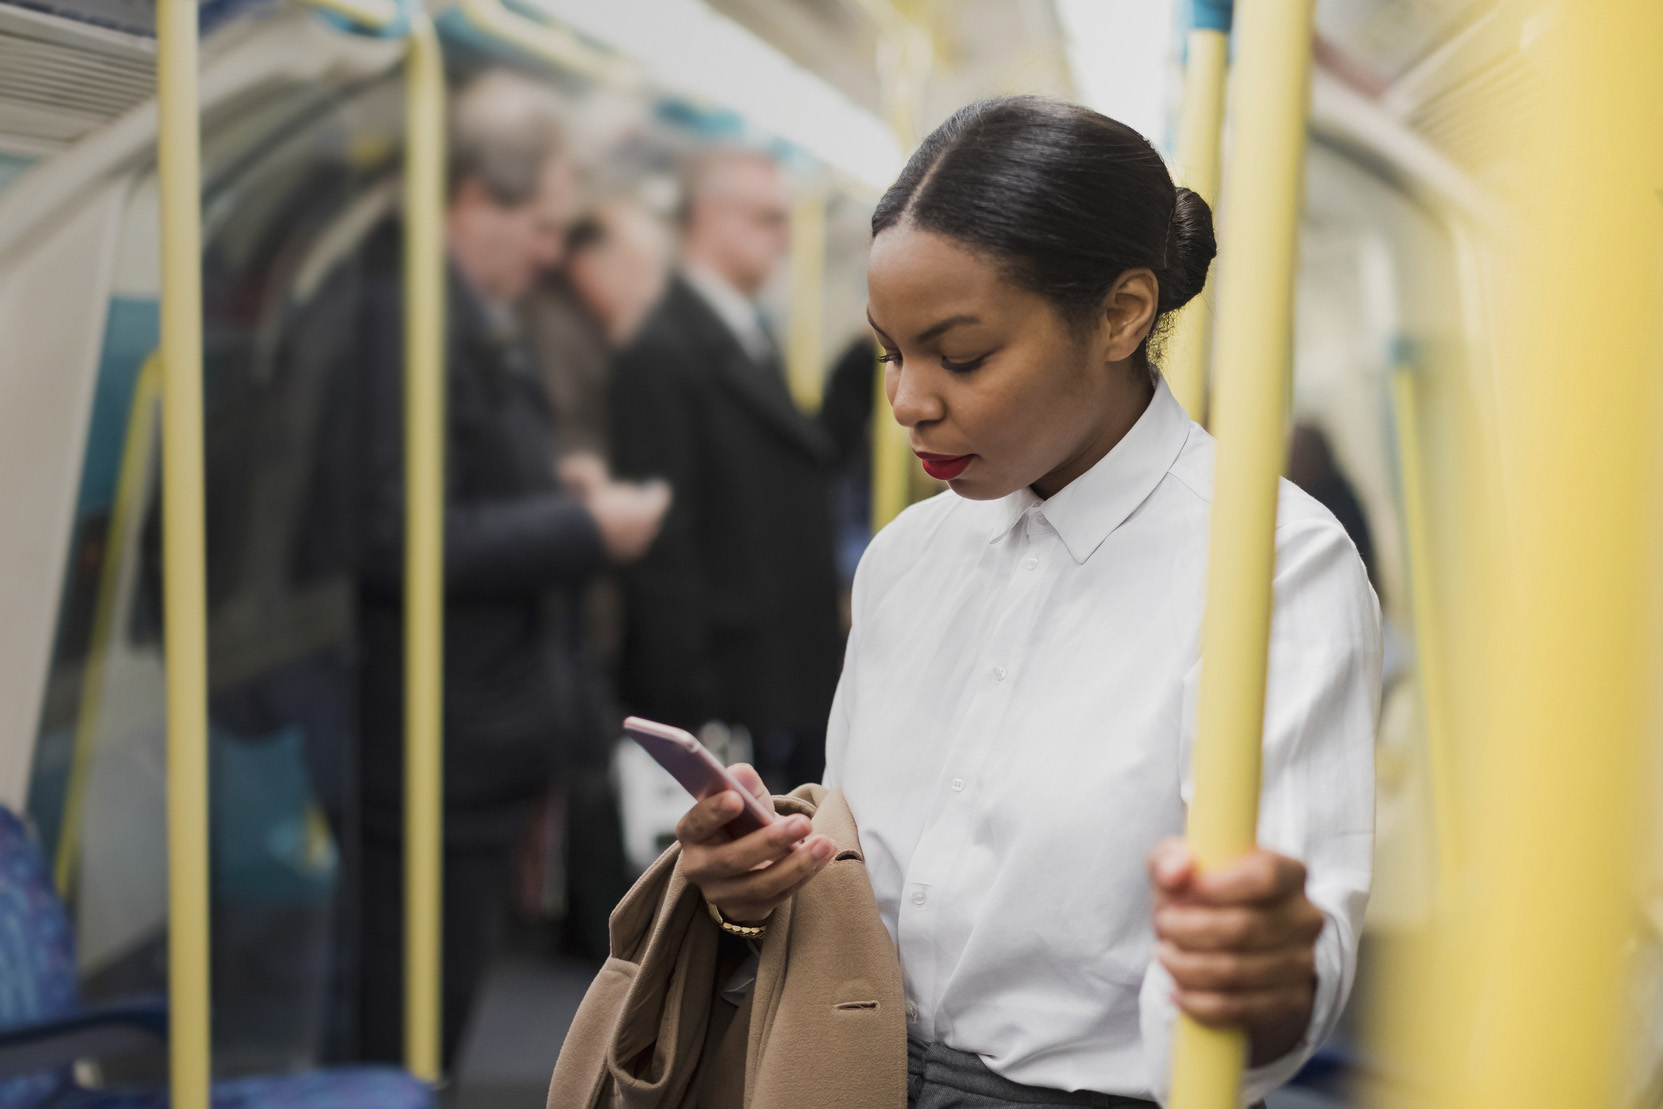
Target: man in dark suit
x,y
522,699
733,614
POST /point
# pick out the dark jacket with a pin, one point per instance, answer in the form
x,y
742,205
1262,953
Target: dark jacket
x,y
521,697
733,614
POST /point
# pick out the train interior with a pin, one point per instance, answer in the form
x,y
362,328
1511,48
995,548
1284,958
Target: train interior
x,y
1395,373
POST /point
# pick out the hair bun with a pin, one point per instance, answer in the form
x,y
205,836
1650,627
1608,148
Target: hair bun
x,y
1190,249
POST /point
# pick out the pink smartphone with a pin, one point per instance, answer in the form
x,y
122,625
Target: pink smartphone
x,y
691,764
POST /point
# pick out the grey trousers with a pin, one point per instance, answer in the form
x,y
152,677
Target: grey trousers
x,y
940,1078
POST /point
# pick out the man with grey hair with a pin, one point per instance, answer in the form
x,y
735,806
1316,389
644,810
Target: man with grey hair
x,y
522,700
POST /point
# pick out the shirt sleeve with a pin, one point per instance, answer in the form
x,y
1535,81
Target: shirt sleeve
x,y
1317,800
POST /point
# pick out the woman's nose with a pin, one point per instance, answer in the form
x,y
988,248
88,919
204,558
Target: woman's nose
x,y
913,401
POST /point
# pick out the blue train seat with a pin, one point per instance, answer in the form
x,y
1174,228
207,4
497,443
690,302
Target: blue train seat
x,y
45,1028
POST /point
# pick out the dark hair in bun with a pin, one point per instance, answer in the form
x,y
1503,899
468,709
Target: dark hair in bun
x,y
1065,199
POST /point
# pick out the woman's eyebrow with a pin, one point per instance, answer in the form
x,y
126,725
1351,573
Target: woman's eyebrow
x,y
937,330
874,325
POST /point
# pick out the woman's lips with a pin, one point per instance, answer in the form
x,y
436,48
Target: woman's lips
x,y
944,467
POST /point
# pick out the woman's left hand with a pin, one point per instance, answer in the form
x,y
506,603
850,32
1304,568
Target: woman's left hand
x,y
1239,942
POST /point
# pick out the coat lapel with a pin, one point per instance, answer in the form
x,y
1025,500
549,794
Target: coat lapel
x,y
761,389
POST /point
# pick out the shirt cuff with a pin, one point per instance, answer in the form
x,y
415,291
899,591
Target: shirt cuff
x,y
1159,1016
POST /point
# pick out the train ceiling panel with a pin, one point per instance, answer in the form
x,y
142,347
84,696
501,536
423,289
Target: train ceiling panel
x,y
60,79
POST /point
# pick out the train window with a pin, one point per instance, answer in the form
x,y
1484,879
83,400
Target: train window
x,y
288,187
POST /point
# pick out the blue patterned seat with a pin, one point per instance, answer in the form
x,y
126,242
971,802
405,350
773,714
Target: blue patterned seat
x,y
44,1027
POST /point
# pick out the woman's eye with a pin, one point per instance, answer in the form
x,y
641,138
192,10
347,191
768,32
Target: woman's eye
x,y
962,367
888,357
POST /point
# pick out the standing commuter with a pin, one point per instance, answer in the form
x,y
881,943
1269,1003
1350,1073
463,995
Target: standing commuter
x,y
521,699
733,615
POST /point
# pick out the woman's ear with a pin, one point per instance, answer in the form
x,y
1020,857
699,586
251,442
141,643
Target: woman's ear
x,y
1129,313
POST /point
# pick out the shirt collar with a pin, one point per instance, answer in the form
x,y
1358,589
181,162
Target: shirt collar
x,y
732,307
1089,508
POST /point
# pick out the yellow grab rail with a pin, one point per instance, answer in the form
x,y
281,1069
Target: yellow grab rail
x,y
1256,279
1200,131
184,559
424,468
803,369
131,479
551,44
1565,771
1429,662
374,14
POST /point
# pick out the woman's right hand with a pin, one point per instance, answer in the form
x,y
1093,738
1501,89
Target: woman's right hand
x,y
749,877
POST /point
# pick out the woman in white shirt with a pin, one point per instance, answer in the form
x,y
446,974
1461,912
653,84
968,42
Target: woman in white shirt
x,y
1017,707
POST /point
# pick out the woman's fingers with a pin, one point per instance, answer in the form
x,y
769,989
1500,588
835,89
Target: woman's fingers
x,y
1197,927
705,862
745,774
1255,1009
754,894
1259,876
703,822
1237,971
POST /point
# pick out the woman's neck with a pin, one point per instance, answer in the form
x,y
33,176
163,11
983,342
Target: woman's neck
x,y
1122,410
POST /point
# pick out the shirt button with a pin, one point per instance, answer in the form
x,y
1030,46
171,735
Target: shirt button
x,y
918,897
999,673
1032,563
958,785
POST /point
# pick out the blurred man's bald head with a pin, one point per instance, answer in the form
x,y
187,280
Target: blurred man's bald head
x,y
736,215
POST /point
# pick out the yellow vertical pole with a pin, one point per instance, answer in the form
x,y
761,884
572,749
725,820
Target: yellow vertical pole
x,y
803,356
1200,134
424,442
184,558
1429,664
905,55
1562,792
1256,279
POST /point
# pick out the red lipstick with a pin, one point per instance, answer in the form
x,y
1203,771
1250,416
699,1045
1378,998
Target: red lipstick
x,y
944,467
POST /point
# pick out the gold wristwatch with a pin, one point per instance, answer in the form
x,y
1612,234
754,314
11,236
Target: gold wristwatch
x,y
743,931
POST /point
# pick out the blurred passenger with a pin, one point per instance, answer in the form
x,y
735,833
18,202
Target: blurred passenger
x,y
522,702
733,614
1312,467
617,260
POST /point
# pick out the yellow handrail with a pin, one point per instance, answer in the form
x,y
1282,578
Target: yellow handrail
x,y
555,45
1256,278
424,462
1429,662
129,495
374,14
1200,131
803,357
184,559
1565,772
906,51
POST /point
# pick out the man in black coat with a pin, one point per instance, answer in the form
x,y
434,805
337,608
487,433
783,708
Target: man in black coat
x,y
522,699
733,613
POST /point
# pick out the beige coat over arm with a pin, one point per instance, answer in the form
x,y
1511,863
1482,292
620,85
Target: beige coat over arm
x,y
822,1028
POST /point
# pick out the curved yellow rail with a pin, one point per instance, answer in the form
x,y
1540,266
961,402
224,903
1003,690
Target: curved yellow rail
x,y
1256,280
184,560
1200,132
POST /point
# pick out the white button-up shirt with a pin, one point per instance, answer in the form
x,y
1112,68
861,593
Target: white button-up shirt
x,y
1013,732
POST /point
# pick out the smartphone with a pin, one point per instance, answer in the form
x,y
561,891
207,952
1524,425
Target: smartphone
x,y
691,764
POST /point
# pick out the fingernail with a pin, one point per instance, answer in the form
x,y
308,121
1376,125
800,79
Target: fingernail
x,y
823,850
730,802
